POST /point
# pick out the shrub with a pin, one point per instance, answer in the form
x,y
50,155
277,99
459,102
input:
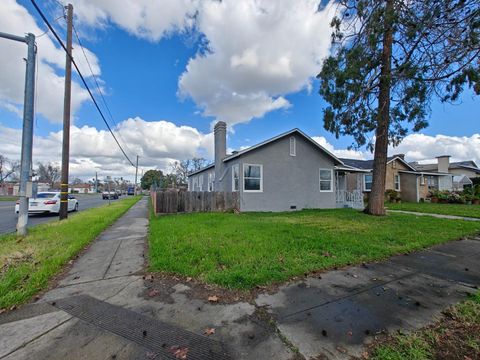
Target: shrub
x,y
392,195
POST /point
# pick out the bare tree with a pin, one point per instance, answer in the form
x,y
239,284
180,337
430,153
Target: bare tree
x,y
48,173
182,168
8,168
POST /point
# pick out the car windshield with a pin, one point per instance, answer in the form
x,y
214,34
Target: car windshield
x,y
45,195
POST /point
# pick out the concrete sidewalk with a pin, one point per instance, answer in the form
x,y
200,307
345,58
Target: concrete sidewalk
x,y
104,308
440,216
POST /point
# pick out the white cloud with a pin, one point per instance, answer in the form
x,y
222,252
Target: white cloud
x,y
146,19
258,51
158,143
15,19
342,153
417,147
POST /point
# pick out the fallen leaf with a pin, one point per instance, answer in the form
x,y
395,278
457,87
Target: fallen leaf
x,y
326,254
189,279
355,276
149,277
153,292
179,352
341,349
209,331
213,298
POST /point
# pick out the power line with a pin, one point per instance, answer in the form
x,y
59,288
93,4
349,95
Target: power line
x,y
98,87
81,77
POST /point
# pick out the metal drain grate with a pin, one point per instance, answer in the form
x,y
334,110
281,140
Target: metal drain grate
x,y
159,337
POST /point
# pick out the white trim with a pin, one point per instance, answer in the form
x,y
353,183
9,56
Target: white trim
x,y
200,183
294,147
320,180
211,182
261,178
237,166
395,176
365,182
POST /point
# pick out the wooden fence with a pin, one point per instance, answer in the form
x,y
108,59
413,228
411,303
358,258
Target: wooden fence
x,y
170,202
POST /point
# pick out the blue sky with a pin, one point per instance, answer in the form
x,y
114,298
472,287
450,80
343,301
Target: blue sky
x,y
140,75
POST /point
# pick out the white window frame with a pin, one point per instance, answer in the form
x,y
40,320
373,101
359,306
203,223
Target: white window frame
x,y
293,146
200,183
320,180
195,183
261,178
365,182
395,177
236,166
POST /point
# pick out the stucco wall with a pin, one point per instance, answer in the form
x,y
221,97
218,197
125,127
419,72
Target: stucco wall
x,y
287,180
468,173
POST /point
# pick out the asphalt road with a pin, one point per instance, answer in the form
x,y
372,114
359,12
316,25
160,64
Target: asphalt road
x,y
8,218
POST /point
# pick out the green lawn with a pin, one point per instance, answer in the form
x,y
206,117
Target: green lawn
x,y
27,264
457,336
436,208
8,198
249,249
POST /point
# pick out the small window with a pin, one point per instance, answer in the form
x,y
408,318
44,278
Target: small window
x,y
235,177
326,180
397,182
211,181
293,147
252,178
367,182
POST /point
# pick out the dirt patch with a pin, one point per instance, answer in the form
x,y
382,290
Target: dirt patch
x,y
160,286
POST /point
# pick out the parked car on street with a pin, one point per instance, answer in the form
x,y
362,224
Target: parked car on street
x,y
48,202
131,190
109,194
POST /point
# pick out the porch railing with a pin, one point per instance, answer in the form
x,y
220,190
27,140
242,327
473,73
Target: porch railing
x,y
351,199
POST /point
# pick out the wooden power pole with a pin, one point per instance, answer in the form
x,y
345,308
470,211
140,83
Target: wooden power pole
x,y
66,117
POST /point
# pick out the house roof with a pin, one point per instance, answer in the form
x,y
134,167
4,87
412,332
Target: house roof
x,y
463,179
368,164
469,165
236,154
430,173
293,131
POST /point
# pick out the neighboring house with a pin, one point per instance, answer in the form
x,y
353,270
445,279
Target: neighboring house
x,y
81,189
287,172
411,184
467,168
460,182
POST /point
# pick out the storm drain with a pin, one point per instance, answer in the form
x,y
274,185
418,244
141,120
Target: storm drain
x,y
169,342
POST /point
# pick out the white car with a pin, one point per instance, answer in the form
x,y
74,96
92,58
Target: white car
x,y
48,202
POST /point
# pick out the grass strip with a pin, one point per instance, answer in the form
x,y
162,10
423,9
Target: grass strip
x,y
27,264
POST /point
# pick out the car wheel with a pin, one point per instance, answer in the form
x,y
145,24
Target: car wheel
x,y
76,207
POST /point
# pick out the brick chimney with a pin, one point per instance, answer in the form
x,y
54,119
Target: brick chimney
x,y
220,134
443,162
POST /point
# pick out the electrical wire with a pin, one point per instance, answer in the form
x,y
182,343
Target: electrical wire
x,y
45,20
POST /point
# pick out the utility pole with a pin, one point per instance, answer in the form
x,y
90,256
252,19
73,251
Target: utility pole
x,y
66,118
96,183
27,132
136,173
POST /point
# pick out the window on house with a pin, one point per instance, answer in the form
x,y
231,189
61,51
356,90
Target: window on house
x,y
397,182
195,184
326,180
293,147
211,181
235,177
367,182
252,178
200,183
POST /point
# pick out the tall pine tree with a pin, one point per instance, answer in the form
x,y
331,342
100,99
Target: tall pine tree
x,y
389,58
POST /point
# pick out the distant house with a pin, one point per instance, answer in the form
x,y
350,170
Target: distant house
x,y
468,168
460,182
287,172
81,189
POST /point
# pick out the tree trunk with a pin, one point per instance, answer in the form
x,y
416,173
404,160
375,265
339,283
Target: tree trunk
x,y
376,201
